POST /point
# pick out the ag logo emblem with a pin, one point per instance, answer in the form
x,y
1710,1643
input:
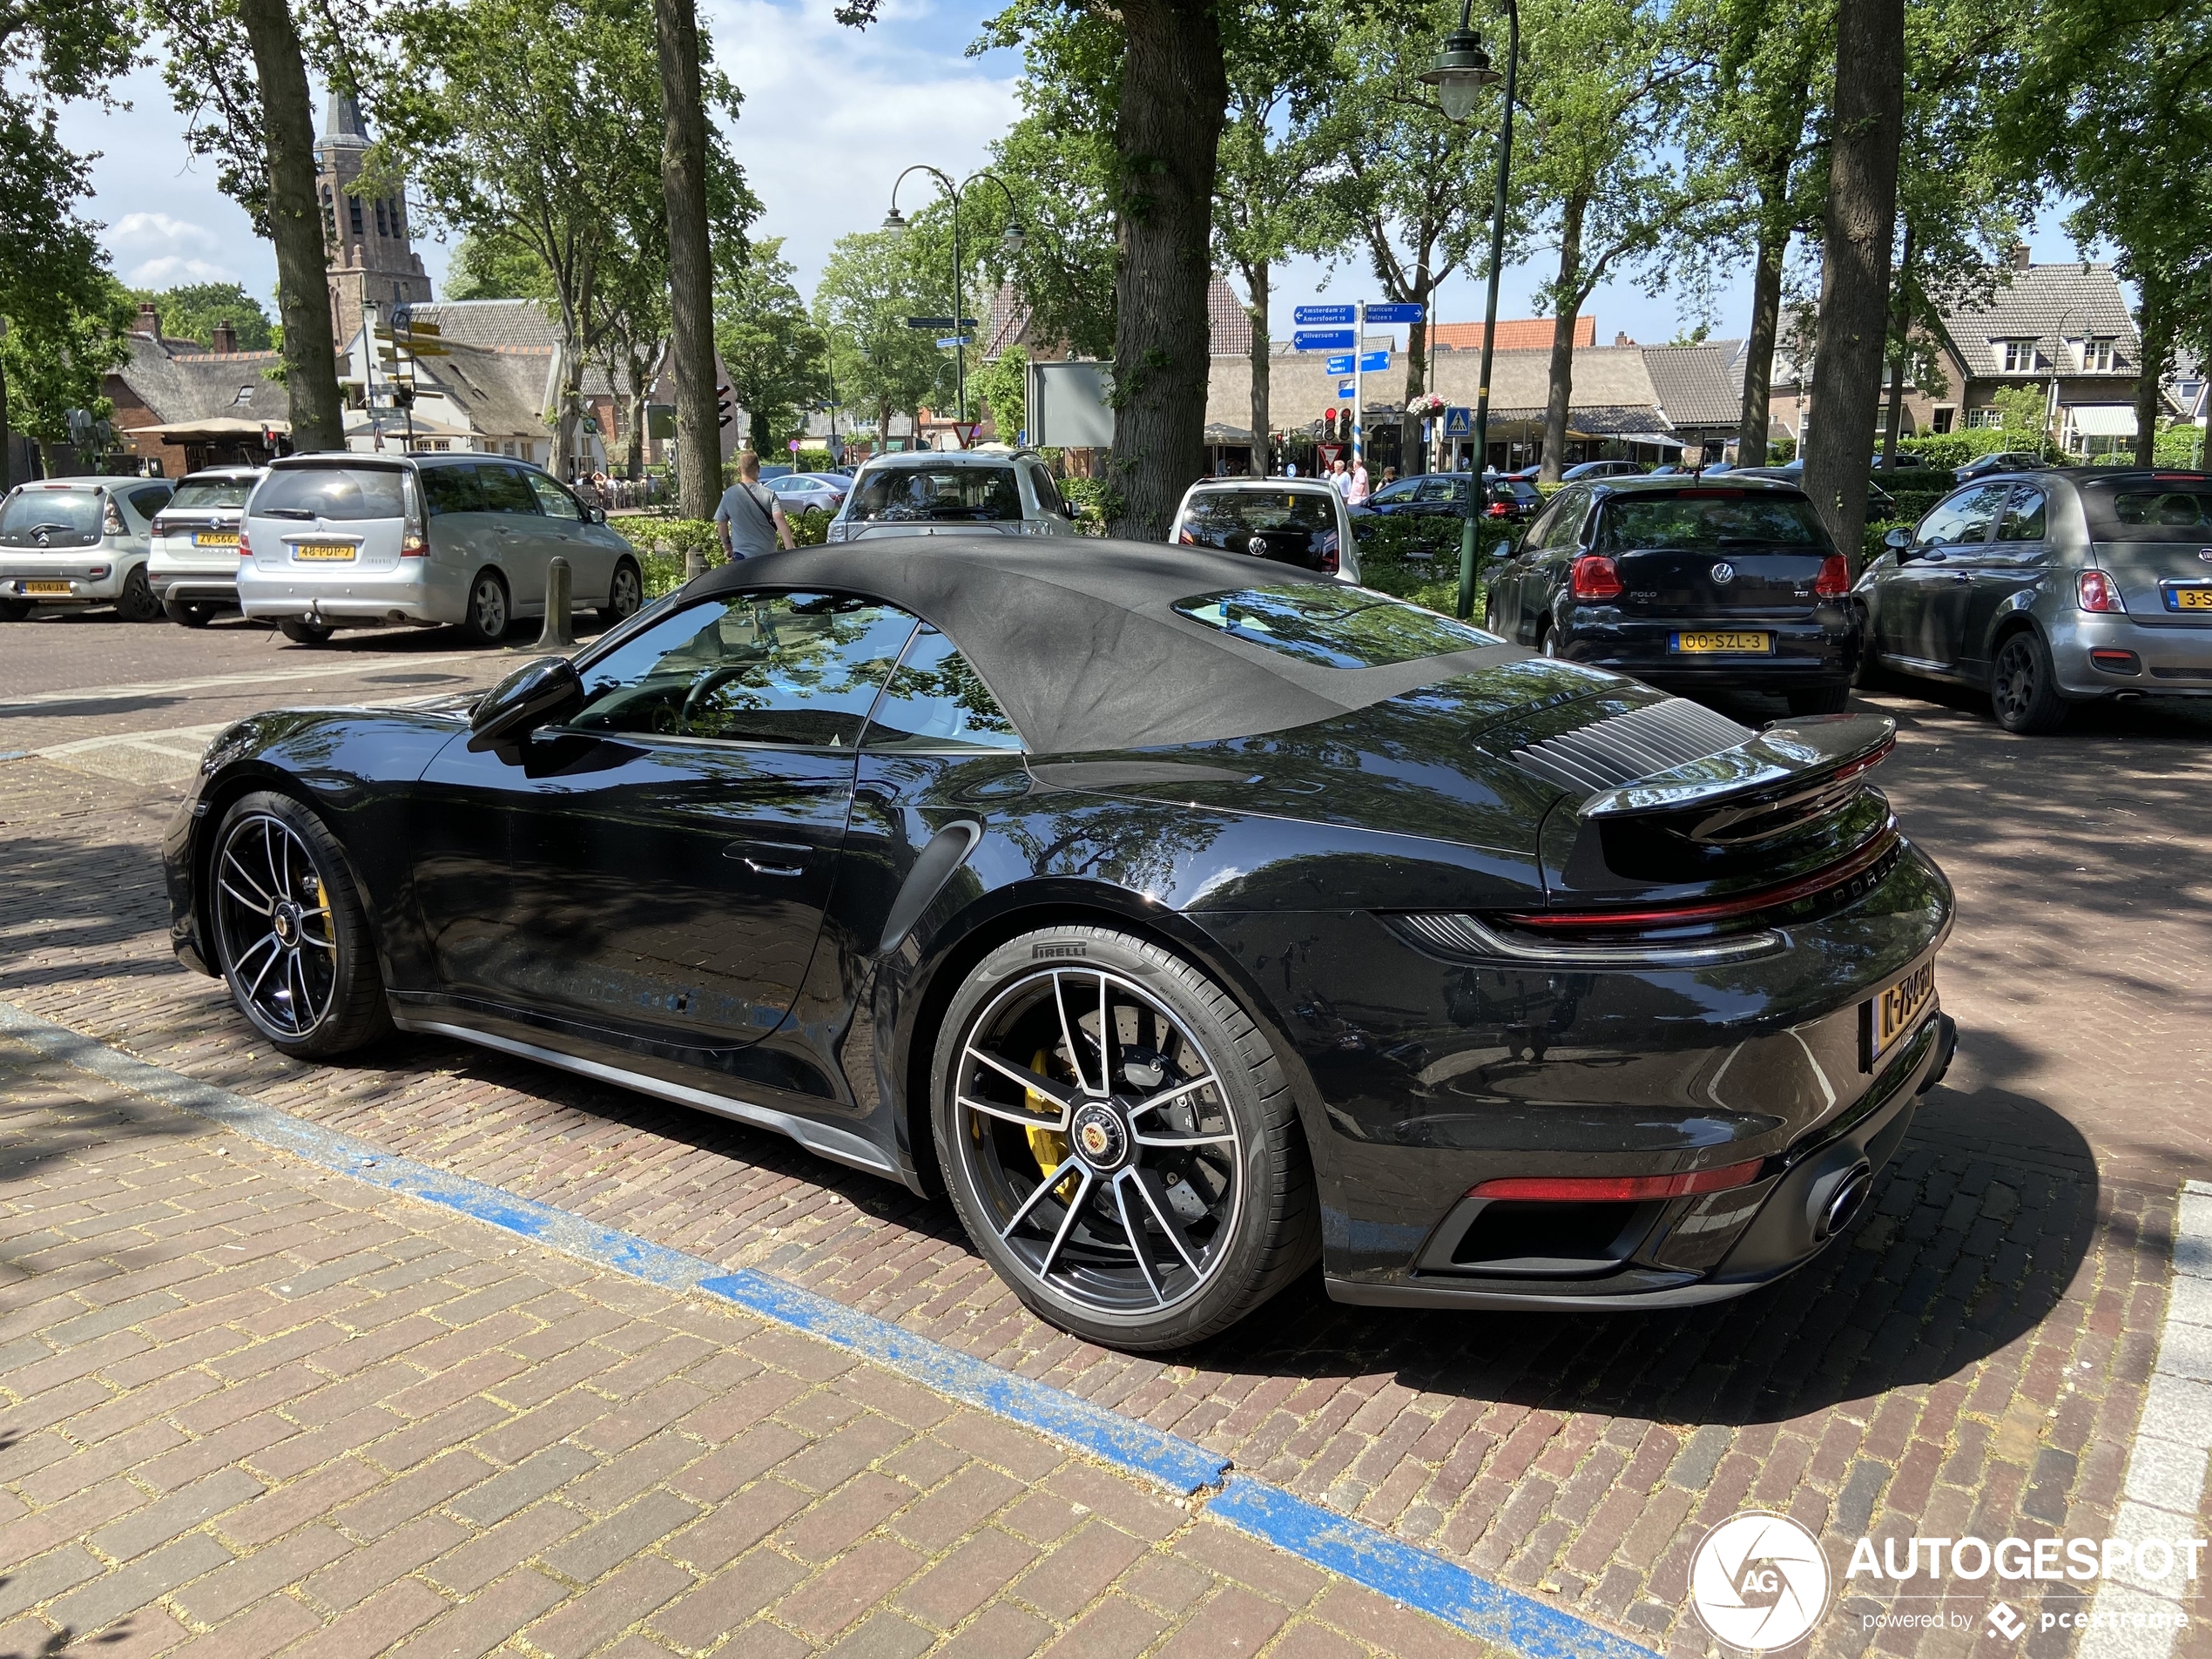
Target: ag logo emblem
x,y
1758,1581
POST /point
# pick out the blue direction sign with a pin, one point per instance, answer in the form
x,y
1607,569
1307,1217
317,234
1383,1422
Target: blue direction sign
x,y
1459,423
1339,364
1370,362
1323,339
1346,389
958,340
1307,315
1395,313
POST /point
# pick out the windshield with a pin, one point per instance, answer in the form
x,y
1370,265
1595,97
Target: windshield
x,y
62,517
1702,520
329,492
973,495
208,495
1338,627
1222,510
2150,510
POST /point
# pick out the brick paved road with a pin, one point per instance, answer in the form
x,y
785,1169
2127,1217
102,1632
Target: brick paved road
x,y
247,1407
1973,1359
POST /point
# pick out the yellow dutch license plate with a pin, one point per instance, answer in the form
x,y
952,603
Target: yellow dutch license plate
x,y
1897,1013
2193,598
1719,644
45,587
334,551
214,538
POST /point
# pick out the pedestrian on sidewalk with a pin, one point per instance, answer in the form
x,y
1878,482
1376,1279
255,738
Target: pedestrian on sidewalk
x,y
1355,489
751,520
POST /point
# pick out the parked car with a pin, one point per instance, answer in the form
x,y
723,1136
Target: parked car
x,y
193,565
331,541
2051,588
1880,503
2006,460
1589,469
1444,495
1189,920
1292,521
79,542
1527,474
933,492
810,491
1732,586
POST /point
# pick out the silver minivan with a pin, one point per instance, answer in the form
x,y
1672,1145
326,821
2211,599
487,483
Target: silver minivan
x,y
339,540
953,492
79,542
194,563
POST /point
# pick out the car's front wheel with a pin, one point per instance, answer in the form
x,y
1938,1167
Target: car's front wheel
x,y
291,937
1119,1139
2023,686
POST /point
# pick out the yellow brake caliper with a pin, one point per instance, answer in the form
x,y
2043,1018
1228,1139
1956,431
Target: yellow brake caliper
x,y
1047,1146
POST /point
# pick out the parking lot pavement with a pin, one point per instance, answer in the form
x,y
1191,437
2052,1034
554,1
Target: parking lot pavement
x,y
249,1407
1972,1357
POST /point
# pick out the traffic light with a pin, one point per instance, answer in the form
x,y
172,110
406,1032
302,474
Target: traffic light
x,y
723,408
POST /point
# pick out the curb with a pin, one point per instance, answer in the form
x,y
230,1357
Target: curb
x,y
1351,1549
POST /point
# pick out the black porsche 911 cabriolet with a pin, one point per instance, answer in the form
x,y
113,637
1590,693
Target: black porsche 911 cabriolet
x,y
1182,921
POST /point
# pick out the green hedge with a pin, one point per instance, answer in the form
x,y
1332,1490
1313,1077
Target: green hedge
x,y
1089,500
1418,559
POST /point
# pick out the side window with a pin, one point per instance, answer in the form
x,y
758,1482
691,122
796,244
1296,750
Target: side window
x,y
1436,489
791,668
147,503
934,701
452,490
2024,516
1047,493
506,489
556,502
1567,521
1964,519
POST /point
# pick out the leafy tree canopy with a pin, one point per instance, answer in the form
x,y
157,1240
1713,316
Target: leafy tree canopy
x,y
777,359
191,312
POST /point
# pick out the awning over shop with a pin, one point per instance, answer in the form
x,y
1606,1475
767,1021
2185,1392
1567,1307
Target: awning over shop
x,y
2101,420
221,428
1656,440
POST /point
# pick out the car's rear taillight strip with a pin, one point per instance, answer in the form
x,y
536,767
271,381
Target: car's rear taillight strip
x,y
1831,876
1618,1188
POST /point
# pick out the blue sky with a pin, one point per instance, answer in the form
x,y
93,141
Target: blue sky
x,y
831,117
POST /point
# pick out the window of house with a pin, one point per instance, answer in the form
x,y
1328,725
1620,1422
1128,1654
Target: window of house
x,y
1944,419
2096,354
1987,416
2017,356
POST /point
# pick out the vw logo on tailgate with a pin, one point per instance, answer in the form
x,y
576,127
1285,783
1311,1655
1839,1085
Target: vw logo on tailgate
x,y
1723,571
2205,553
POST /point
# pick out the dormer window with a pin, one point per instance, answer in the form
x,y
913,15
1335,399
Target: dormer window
x,y
2017,356
2096,354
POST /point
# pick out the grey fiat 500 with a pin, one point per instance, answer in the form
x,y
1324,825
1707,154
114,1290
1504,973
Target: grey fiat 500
x,y
2051,588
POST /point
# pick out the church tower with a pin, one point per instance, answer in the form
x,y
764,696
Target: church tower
x,y
372,259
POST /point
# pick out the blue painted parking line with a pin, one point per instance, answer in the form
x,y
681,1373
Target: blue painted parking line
x,y
1349,1548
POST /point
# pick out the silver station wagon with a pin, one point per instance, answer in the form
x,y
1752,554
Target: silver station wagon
x,y
367,541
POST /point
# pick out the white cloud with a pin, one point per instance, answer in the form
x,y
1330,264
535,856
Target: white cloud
x,y
172,270
157,230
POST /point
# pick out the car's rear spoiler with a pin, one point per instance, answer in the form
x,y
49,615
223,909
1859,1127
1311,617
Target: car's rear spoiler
x,y
1788,770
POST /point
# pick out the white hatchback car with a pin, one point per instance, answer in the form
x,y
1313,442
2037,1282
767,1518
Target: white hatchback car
x,y
336,540
953,492
1291,521
195,566
79,542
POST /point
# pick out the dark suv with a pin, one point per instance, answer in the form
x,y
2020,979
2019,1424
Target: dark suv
x,y
1729,585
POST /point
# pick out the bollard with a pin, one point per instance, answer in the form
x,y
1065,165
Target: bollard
x,y
560,633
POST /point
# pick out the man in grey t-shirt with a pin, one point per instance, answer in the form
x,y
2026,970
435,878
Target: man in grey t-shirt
x,y
751,520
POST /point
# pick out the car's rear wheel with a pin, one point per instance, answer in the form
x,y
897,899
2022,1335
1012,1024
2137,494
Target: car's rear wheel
x,y
2023,688
624,595
486,618
14,610
187,613
1826,700
1547,641
1119,1139
291,938
300,632
137,601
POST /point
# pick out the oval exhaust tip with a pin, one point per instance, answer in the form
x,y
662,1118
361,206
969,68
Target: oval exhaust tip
x,y
1843,1206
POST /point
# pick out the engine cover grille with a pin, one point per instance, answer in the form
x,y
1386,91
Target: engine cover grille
x,y
1622,748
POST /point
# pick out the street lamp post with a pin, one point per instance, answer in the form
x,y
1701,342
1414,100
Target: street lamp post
x,y
1460,73
1011,239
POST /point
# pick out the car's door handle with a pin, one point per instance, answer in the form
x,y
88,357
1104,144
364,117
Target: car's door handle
x,y
770,858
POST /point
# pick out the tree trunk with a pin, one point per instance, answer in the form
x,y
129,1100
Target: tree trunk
x,y
1901,345
691,264
1756,421
1566,308
295,226
1409,424
633,459
1256,277
1855,275
1166,131
2157,331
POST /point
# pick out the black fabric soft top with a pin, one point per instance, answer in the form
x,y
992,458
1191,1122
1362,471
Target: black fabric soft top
x,y
1079,640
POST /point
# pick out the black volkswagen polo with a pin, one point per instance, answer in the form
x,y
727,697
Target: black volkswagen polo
x,y
1733,586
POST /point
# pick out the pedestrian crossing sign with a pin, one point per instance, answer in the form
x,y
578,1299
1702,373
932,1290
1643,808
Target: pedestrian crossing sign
x,y
1459,423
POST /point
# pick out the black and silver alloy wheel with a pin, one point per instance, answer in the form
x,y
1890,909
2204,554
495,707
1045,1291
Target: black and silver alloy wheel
x,y
1117,1136
289,935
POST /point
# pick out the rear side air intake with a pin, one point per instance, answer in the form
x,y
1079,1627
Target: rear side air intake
x,y
1623,748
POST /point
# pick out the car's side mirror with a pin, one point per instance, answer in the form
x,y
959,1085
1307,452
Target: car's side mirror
x,y
536,694
596,514
1897,540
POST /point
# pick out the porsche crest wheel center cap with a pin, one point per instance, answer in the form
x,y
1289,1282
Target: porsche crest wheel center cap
x,y
1101,1139
284,922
